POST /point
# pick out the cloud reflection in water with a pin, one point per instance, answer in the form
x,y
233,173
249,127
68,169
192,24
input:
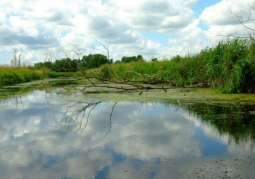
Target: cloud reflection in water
x,y
118,140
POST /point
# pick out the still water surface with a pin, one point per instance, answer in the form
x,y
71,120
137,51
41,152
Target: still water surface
x,y
44,135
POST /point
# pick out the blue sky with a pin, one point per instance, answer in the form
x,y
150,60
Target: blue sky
x,y
202,4
151,28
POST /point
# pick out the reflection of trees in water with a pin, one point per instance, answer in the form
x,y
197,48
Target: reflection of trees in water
x,y
236,120
76,115
110,124
19,102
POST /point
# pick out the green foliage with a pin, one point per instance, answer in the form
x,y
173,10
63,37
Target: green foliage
x,y
132,59
243,77
154,59
65,65
11,76
41,65
93,61
105,72
72,65
229,66
117,62
53,74
176,58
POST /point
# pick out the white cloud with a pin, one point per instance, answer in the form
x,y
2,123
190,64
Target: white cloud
x,y
161,16
222,18
40,25
190,40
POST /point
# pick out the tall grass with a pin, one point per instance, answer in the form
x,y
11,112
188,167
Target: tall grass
x,y
11,76
228,66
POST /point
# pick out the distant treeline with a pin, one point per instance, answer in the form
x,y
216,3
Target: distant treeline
x,y
72,65
87,62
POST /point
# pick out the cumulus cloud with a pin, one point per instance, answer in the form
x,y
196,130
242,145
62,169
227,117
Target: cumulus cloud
x,y
190,40
40,25
161,16
222,18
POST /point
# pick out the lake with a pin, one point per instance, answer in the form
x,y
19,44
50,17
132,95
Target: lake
x,y
45,134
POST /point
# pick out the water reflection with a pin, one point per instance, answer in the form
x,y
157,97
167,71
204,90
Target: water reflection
x,y
49,137
236,121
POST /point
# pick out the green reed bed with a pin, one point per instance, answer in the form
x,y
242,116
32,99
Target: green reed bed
x,y
11,76
229,66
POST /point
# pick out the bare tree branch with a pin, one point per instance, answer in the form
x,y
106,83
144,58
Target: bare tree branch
x,y
108,53
146,83
74,114
48,55
241,20
19,58
110,124
108,57
129,85
16,61
76,51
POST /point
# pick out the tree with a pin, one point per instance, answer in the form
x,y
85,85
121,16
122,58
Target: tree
x,y
46,64
139,57
65,65
16,61
93,61
129,59
154,59
117,62
176,58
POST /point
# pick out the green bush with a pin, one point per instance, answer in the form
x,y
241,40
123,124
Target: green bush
x,y
105,72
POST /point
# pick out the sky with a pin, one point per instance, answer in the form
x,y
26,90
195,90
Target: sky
x,y
43,30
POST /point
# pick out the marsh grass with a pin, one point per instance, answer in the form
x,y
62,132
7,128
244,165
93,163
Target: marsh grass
x,y
11,76
229,66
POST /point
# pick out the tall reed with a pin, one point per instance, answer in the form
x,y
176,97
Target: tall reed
x,y
228,66
11,76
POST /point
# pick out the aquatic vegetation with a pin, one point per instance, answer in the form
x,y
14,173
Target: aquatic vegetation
x,y
229,66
